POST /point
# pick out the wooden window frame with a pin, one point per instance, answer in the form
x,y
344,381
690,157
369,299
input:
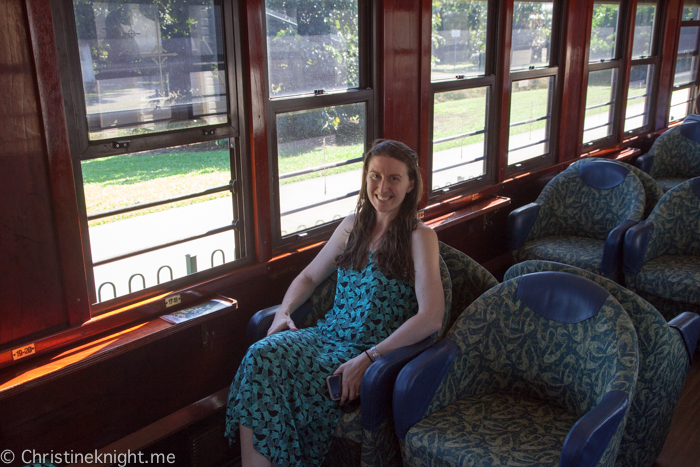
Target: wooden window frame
x,y
82,149
364,93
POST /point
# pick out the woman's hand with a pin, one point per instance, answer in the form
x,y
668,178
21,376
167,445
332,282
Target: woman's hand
x,y
353,371
281,322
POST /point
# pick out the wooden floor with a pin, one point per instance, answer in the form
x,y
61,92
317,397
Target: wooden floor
x,y
682,448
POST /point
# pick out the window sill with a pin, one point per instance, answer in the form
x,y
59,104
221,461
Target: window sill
x,y
472,210
50,366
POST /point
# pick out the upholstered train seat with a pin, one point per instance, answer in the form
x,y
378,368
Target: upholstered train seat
x,y
652,190
665,353
662,254
675,155
367,435
580,218
538,371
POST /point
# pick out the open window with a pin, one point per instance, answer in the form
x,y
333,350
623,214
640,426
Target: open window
x,y
152,104
319,113
462,89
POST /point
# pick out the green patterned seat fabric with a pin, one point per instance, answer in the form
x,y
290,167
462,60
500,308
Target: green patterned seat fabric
x,y
506,348
469,280
663,366
671,277
652,189
670,182
676,158
491,429
671,264
571,209
586,253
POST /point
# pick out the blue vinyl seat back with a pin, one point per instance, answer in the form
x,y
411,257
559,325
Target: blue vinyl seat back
x,y
652,190
663,366
588,200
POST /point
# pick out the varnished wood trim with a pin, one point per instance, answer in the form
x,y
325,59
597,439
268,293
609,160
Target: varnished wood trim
x,y
73,359
65,205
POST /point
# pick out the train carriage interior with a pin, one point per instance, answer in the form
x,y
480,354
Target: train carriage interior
x,y
168,167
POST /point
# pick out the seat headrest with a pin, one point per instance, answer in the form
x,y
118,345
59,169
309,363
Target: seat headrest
x,y
560,296
603,174
690,128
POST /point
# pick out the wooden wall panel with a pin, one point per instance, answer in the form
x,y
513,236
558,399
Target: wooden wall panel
x,y
575,33
31,294
402,71
101,403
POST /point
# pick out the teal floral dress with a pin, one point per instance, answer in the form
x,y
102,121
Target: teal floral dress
x,y
280,389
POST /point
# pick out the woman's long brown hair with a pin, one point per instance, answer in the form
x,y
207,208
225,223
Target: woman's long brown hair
x,y
393,254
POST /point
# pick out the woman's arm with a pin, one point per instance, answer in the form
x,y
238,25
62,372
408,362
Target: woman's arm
x,y
304,284
431,309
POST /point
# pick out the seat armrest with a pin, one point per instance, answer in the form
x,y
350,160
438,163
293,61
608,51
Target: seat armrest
x,y
688,324
591,434
378,383
644,162
612,251
520,222
635,247
262,320
260,323
418,382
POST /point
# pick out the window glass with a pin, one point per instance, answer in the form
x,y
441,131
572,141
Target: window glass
x,y
459,136
691,10
312,47
600,105
638,95
458,38
319,161
140,202
150,66
644,30
532,32
687,60
604,31
530,119
679,104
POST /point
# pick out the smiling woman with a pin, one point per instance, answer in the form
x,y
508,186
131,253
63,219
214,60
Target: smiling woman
x,y
388,295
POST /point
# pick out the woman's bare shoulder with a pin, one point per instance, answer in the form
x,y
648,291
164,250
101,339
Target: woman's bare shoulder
x,y
424,238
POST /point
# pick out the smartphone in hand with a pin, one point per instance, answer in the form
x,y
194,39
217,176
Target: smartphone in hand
x,y
335,386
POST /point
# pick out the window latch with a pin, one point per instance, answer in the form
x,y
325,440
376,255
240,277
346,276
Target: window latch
x,y
318,92
233,184
459,76
209,132
123,144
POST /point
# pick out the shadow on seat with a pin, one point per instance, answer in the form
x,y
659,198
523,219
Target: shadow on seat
x,y
537,371
665,353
